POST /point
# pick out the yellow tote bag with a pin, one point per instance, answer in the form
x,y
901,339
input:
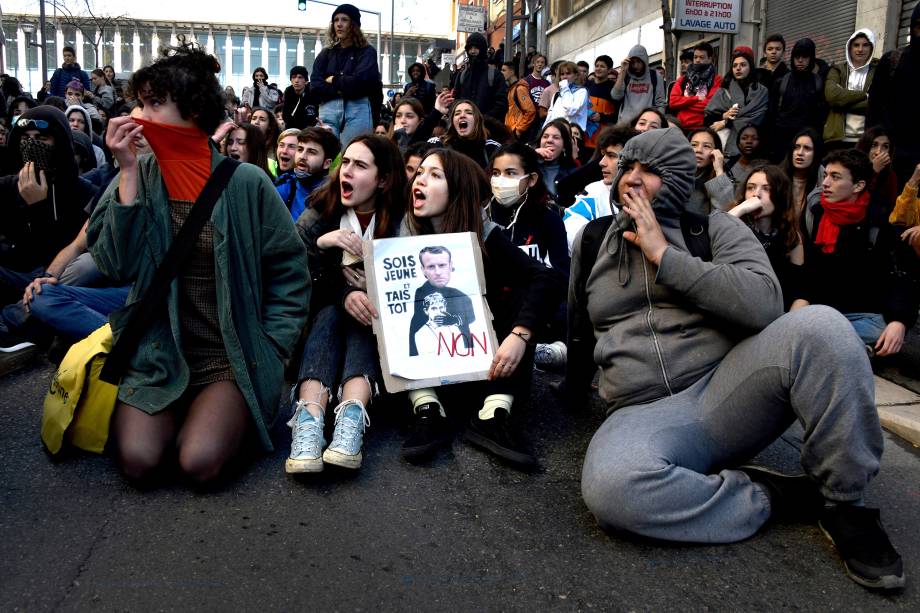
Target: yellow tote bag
x,y
79,405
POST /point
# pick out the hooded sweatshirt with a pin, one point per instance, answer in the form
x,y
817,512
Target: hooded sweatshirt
x,y
660,329
34,233
421,89
638,92
88,130
482,84
846,93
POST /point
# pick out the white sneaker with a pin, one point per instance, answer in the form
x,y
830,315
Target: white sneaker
x,y
307,441
350,420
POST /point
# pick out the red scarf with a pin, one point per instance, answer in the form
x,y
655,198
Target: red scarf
x,y
183,155
838,214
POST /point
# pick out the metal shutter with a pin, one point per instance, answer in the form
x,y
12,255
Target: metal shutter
x,y
829,25
907,9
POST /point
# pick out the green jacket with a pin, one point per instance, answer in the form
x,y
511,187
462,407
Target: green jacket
x,y
842,100
263,286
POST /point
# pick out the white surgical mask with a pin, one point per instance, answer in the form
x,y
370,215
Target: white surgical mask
x,y
505,190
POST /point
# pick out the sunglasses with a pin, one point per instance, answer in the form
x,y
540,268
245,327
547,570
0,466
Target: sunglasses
x,y
41,124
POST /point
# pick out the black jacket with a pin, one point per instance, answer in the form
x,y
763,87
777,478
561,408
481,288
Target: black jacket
x,y
473,83
353,70
535,224
300,111
862,276
31,235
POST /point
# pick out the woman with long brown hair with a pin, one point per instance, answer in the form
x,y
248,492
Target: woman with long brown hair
x,y
363,200
764,202
446,197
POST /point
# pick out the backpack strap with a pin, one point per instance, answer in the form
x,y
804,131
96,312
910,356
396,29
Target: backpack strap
x,y
144,311
580,366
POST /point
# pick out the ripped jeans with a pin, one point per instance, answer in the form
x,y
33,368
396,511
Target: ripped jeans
x,y
339,348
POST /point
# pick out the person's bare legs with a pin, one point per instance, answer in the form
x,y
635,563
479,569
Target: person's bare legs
x,y
142,439
213,430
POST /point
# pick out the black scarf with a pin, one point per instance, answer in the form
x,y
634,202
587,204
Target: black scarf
x,y
699,75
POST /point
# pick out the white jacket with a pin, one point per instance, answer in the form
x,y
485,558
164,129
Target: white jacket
x,y
571,105
590,204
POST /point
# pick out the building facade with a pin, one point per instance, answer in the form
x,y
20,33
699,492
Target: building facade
x,y
129,44
584,29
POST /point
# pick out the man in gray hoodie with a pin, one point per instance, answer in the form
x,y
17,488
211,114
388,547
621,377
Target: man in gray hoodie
x,y
701,370
637,88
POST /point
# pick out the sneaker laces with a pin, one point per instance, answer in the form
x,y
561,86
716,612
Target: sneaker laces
x,y
305,435
349,425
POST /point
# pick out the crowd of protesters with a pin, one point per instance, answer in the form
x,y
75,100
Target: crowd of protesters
x,y
735,250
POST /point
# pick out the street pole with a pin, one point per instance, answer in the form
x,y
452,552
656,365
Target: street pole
x,y
41,25
509,29
392,75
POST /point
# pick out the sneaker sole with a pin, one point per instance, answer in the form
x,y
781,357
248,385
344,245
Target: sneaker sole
x,y
488,444
310,465
337,458
15,348
885,582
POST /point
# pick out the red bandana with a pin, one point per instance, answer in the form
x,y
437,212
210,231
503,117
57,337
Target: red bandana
x,y
183,155
838,214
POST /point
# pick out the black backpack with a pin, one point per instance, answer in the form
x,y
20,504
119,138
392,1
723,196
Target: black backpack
x,y
580,366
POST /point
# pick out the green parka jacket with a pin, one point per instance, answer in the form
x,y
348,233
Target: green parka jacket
x,y
263,286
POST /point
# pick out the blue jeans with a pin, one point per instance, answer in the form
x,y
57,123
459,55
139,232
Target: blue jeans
x,y
869,326
347,118
74,312
81,271
665,469
338,349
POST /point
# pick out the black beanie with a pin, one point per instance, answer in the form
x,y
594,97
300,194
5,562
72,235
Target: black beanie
x,y
348,9
301,70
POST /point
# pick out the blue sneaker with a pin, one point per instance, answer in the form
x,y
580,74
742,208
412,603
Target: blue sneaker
x,y
307,441
350,420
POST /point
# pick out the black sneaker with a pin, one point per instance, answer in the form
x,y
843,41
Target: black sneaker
x,y
430,430
11,343
868,556
793,498
497,436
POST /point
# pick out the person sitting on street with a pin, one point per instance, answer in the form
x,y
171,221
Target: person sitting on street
x,y
683,418
594,201
316,148
764,202
858,267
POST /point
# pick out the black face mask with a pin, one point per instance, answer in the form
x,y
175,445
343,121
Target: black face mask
x,y
39,153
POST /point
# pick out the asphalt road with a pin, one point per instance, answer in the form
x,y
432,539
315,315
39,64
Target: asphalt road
x,y
463,533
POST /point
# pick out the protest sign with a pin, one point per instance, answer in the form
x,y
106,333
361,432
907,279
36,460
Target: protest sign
x,y
435,327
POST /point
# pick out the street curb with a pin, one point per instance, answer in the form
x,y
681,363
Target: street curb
x,y
898,410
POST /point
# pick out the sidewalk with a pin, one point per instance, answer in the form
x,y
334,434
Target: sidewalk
x,y
898,410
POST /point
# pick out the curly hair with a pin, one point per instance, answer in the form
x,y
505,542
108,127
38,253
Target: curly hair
x,y
390,199
187,74
358,39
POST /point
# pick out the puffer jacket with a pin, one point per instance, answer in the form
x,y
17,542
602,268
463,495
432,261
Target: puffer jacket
x,y
660,329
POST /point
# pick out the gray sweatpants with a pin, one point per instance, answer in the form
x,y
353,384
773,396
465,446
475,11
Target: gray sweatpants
x,y
663,469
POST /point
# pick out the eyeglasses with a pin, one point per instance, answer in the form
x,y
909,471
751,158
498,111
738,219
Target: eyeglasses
x,y
41,124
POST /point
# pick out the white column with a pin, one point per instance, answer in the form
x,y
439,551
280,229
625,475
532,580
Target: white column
x,y
247,47
154,43
79,43
22,63
136,49
210,46
228,55
282,60
265,50
300,51
116,51
385,64
59,47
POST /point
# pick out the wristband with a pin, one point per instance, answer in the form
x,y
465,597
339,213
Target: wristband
x,y
521,336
